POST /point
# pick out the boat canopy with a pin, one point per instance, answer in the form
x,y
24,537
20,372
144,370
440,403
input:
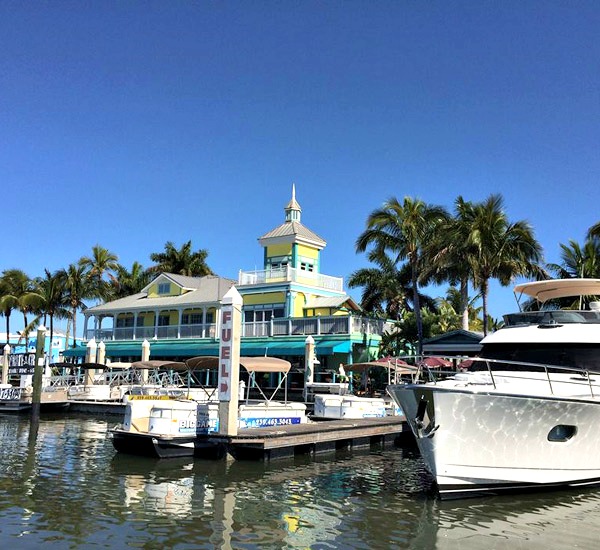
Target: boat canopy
x,y
157,364
210,362
543,291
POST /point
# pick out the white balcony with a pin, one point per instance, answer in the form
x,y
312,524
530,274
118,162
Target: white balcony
x,y
290,275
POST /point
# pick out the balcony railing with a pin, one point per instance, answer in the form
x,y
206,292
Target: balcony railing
x,y
297,326
290,275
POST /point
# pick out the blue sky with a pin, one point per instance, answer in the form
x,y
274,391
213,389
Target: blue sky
x,y
130,124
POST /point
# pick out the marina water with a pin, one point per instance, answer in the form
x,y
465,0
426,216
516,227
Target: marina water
x,y
68,488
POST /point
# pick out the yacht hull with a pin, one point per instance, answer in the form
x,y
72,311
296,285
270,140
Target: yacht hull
x,y
476,440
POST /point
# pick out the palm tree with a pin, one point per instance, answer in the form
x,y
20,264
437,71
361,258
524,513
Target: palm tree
x,y
54,299
446,255
403,229
78,287
499,249
18,293
126,282
578,262
181,262
594,231
8,300
101,262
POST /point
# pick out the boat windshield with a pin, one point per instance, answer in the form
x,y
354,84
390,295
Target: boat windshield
x,y
549,317
584,357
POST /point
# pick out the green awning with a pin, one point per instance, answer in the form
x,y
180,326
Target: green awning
x,y
193,348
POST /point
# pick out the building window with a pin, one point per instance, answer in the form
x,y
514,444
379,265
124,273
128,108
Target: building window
x,y
306,266
164,320
191,319
164,288
266,313
124,322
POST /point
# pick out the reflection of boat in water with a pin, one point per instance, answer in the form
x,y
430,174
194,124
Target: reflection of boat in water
x,y
509,522
525,414
163,426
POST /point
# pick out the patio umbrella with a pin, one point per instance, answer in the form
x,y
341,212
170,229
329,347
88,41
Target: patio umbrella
x,y
435,362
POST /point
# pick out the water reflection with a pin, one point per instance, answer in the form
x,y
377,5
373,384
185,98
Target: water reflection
x,y
70,488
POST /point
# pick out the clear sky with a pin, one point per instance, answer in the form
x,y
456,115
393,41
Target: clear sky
x,y
132,123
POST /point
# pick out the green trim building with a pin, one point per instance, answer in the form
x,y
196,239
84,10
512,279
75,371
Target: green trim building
x,y
284,303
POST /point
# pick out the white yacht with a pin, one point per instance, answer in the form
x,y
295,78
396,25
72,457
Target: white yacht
x,y
525,414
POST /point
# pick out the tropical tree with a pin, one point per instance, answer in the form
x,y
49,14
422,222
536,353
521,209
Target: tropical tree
x,y
102,262
450,316
578,261
403,229
594,231
54,301
9,299
127,282
447,256
499,249
19,294
183,261
78,287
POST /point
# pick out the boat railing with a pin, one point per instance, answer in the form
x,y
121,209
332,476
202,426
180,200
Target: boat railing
x,y
503,369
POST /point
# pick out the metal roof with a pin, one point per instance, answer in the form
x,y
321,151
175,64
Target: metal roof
x,y
295,229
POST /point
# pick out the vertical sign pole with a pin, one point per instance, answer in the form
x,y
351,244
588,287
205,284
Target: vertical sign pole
x,y
229,361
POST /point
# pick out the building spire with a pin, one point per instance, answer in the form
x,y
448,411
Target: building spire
x,y
292,209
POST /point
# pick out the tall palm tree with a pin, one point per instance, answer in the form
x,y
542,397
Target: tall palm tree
x,y
78,287
54,303
446,255
101,262
9,300
20,293
183,261
403,229
499,249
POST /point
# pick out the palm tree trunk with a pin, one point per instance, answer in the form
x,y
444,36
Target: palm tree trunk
x,y
484,294
464,303
417,306
74,326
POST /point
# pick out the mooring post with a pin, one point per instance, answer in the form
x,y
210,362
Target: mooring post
x,y
5,361
229,361
90,357
36,398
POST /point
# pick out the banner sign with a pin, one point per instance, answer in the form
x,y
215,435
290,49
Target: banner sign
x,y
21,363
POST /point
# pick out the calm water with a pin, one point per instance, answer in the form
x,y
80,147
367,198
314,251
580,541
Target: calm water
x,y
70,489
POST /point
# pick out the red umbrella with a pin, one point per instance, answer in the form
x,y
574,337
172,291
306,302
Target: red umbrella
x,y
436,362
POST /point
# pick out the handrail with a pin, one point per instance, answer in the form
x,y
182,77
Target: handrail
x,y
547,369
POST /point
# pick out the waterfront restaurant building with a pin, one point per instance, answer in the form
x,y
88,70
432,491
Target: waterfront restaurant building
x,y
283,303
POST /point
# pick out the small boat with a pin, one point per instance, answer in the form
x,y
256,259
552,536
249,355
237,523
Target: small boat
x,y
17,399
523,415
345,406
164,426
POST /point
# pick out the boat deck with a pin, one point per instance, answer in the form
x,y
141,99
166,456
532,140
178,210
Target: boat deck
x,y
311,438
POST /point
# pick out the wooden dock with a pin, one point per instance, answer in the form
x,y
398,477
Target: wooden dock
x,y
323,436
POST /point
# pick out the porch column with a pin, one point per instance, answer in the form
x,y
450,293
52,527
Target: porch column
x,y
179,316
156,316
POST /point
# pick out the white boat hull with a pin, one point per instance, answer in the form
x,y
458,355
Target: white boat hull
x,y
476,439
